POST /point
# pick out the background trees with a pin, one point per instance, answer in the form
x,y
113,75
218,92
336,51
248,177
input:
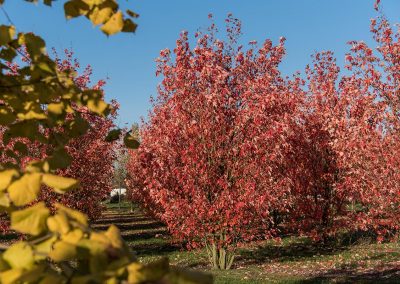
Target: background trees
x,y
233,151
42,104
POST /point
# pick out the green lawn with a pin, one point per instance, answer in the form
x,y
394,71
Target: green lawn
x,y
294,260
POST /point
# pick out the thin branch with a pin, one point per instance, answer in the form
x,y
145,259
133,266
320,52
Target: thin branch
x,y
7,16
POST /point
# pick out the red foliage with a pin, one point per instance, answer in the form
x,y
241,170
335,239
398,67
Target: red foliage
x,y
91,157
233,148
210,160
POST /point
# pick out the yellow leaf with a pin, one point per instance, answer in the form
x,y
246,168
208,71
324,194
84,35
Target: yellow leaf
x,y
26,189
52,279
19,255
4,200
60,184
31,220
31,115
114,24
97,106
6,178
11,276
135,275
56,108
100,16
73,237
100,237
63,251
42,249
73,214
7,34
58,223
114,235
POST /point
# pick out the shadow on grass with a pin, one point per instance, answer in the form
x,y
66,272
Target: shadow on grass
x,y
155,249
137,236
343,275
122,219
131,226
290,252
304,248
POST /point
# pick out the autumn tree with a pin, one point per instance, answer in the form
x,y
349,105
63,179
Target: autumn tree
x,y
210,162
39,103
348,175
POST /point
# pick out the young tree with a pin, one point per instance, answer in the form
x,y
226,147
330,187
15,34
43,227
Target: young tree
x,y
210,162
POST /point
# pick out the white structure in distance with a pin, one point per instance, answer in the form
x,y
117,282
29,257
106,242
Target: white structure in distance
x,y
117,191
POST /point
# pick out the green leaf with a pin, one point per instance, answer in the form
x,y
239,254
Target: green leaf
x,y
6,116
132,14
129,26
60,184
31,220
131,142
113,135
35,45
75,8
26,189
59,159
3,264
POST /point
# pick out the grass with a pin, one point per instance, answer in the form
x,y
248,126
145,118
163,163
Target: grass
x,y
294,260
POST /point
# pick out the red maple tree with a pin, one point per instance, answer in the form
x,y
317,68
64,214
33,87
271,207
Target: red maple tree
x,y
210,162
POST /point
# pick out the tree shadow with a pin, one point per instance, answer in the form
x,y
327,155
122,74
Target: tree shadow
x,y
137,236
303,248
291,252
156,249
132,226
348,275
122,219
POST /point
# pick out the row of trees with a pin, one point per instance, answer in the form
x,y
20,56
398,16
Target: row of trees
x,y
234,151
94,171
45,106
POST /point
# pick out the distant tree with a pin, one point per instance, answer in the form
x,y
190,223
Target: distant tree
x,y
94,170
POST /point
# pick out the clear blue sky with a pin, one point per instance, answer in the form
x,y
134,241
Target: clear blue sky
x,y
128,60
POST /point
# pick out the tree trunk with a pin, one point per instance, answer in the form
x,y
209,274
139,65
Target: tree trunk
x,y
119,198
220,258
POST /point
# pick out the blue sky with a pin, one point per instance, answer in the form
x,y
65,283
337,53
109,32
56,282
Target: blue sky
x,y
128,60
